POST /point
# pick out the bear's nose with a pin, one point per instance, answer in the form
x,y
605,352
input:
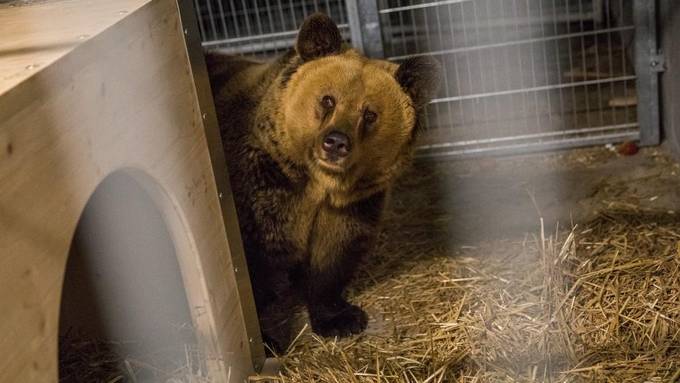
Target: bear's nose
x,y
336,143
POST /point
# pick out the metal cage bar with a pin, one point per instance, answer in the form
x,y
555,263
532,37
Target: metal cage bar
x,y
365,29
648,63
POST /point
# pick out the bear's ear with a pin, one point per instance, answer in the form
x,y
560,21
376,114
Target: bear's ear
x,y
318,37
419,77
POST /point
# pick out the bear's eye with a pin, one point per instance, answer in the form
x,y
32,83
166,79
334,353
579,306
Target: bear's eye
x,y
370,117
328,102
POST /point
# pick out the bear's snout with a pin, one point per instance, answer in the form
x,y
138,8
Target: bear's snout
x,y
336,144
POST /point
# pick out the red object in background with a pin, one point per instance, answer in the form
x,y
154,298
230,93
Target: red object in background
x,y
628,148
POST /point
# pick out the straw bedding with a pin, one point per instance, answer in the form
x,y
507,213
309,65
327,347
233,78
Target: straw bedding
x,y
83,359
598,303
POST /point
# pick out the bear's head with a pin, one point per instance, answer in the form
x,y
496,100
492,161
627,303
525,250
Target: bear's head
x,y
351,120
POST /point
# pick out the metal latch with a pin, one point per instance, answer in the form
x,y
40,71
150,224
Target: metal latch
x,y
657,62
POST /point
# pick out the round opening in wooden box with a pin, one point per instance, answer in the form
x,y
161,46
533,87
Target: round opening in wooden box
x,y
124,313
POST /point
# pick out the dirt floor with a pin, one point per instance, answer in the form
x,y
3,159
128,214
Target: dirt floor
x,y
465,286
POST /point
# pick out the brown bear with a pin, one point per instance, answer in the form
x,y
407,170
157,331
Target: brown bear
x,y
314,140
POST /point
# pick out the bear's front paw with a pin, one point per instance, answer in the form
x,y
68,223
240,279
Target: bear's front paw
x,y
349,320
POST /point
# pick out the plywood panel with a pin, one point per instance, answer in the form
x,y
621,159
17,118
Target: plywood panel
x,y
121,98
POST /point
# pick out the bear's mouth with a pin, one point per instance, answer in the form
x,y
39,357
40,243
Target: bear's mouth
x,y
328,164
331,166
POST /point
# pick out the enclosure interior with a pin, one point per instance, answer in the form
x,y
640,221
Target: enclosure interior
x,y
518,76
502,258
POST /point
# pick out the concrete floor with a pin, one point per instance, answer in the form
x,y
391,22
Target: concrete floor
x,y
481,199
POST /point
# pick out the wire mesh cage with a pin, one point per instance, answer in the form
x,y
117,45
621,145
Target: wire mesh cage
x,y
519,75
260,28
522,73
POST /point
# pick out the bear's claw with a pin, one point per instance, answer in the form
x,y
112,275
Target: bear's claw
x,y
350,320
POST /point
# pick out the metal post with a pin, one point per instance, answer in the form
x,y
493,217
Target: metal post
x,y
364,25
648,64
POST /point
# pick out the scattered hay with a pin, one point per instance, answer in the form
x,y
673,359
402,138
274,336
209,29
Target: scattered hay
x,y
624,313
86,360
599,303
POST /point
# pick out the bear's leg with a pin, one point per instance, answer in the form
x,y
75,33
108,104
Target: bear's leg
x,y
277,322
276,307
329,313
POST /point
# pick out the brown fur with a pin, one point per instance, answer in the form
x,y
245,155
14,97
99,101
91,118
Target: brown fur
x,y
306,221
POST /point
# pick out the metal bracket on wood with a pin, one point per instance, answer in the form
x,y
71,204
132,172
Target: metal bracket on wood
x,y
364,25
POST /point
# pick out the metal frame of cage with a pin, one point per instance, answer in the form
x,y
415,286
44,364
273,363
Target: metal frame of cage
x,y
376,27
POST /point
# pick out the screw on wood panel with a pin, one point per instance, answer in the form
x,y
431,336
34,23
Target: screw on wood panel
x,y
204,115
186,31
250,340
236,269
220,195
